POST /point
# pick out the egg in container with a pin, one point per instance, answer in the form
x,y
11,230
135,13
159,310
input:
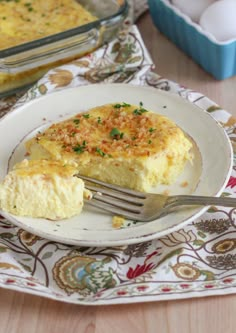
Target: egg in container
x,y
192,8
217,57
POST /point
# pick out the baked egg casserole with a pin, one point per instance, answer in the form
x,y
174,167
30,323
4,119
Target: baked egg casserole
x,y
118,143
43,189
23,21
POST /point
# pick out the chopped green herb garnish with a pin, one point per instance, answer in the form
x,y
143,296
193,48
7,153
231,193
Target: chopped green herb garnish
x,y
149,142
116,134
100,152
99,120
140,111
80,148
125,104
76,121
151,129
86,115
118,106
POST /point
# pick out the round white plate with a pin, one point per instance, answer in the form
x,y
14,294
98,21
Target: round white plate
x,y
207,175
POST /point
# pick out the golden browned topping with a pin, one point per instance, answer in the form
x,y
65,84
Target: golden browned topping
x,y
113,130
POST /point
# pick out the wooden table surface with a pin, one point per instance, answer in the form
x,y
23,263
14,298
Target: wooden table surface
x,y
23,313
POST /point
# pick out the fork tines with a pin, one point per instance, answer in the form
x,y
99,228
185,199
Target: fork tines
x,y
113,198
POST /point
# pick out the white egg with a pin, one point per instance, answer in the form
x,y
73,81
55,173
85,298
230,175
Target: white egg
x,y
192,8
220,20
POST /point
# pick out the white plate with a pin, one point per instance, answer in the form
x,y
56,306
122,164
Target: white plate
x,y
207,175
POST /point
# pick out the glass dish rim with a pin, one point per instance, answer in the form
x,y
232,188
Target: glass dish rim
x,y
11,51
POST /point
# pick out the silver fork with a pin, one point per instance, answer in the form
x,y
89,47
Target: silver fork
x,y
140,206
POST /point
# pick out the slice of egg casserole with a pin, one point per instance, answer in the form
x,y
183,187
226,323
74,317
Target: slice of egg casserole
x,y
43,189
118,143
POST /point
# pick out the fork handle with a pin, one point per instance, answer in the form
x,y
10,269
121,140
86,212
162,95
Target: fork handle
x,y
201,200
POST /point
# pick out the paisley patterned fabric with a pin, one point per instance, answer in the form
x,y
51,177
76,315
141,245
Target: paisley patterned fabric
x,y
199,260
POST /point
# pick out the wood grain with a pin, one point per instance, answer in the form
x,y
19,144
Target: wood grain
x,y
23,313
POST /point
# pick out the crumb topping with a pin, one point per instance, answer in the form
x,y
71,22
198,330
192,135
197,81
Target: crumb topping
x,y
113,130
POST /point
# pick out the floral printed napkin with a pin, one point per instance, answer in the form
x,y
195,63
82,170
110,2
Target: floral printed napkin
x,y
198,260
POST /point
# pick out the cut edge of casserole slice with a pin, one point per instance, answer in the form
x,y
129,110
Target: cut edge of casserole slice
x,y
43,189
118,143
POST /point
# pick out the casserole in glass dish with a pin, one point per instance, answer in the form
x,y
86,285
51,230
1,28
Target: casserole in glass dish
x,y
37,35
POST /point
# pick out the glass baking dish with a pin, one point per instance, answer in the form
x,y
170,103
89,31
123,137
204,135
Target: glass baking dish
x,y
24,64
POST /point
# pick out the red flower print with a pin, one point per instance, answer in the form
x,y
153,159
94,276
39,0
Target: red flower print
x,y
10,281
231,182
142,288
228,280
121,292
139,269
184,286
151,255
166,290
209,286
